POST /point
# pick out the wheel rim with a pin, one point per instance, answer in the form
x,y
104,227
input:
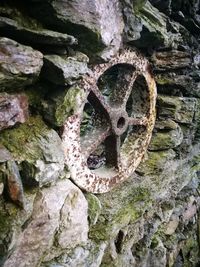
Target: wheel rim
x,y
123,120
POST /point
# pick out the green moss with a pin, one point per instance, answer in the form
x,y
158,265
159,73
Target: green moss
x,y
138,4
71,103
94,208
155,162
109,227
121,212
154,242
19,140
163,80
191,252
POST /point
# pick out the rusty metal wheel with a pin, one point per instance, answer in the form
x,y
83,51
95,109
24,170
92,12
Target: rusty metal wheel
x,y
109,132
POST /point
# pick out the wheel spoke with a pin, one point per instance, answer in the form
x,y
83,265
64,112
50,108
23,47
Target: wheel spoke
x,y
138,121
98,102
112,144
91,140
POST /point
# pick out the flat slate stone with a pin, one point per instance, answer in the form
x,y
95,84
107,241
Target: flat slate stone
x,y
13,29
63,70
170,60
20,65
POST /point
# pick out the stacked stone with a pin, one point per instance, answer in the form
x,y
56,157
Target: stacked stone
x,y
46,220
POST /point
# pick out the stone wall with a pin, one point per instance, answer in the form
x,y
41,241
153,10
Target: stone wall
x,y
152,219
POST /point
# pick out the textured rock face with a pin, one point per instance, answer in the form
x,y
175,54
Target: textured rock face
x,y
20,65
100,21
42,37
13,109
53,215
152,219
62,70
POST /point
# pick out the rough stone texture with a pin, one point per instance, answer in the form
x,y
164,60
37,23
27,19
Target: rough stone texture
x,y
38,150
9,175
179,84
152,219
155,29
180,109
63,70
171,60
97,25
20,65
42,37
13,109
162,140
53,214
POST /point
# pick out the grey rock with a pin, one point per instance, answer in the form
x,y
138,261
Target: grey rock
x,y
162,140
96,24
171,60
158,255
20,65
183,85
197,120
63,70
155,28
166,124
61,104
13,183
13,109
155,162
63,199
89,255
1,188
4,154
180,109
38,36
10,176
133,25
37,149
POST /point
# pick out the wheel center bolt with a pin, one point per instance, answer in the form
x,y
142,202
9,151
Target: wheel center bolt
x,y
119,121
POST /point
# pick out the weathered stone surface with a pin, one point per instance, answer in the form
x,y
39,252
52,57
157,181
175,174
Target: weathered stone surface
x,y
38,150
1,188
155,162
176,84
133,26
166,124
90,255
172,225
53,213
14,183
13,109
4,154
157,30
9,174
180,109
43,37
151,219
63,70
171,60
95,24
94,208
20,65
162,140
61,104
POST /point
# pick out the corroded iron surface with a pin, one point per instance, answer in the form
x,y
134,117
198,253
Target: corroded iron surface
x,y
121,97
